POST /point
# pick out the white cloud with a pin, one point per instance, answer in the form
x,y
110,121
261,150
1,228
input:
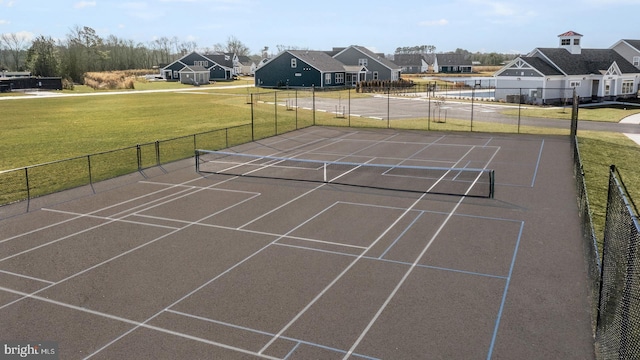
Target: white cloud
x,y
441,22
6,3
4,22
84,4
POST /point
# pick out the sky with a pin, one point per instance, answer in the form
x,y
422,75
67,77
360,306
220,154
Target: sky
x,y
514,27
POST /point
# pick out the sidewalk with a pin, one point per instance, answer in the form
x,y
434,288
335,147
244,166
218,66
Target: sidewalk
x,y
632,119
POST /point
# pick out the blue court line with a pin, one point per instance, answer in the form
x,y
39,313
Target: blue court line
x,y
401,235
504,295
535,173
395,261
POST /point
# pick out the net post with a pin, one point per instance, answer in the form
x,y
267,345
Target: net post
x,y
324,170
197,157
492,184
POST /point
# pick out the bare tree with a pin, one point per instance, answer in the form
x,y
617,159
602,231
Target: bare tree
x,y
16,45
236,46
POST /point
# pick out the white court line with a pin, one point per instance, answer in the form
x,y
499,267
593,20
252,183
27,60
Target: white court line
x,y
122,220
412,267
203,285
25,276
135,323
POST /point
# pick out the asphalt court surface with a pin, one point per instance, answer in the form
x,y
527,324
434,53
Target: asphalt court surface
x,y
178,264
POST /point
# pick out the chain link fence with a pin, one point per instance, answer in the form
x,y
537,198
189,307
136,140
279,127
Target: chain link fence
x,y
618,322
33,181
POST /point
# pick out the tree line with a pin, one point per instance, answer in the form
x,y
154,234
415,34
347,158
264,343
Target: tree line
x,y
83,50
488,59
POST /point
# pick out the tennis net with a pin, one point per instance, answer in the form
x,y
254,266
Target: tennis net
x,y
422,179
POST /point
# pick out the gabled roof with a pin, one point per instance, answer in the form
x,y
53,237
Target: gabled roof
x,y
319,60
370,54
194,68
589,61
570,33
452,59
633,43
221,59
245,60
408,59
540,65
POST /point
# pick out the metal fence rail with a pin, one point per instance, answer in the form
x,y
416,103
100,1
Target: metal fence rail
x,y
33,181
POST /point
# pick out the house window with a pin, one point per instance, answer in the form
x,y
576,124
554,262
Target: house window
x,y
176,74
627,86
327,78
576,41
294,63
565,42
636,61
574,84
204,64
363,62
339,78
375,75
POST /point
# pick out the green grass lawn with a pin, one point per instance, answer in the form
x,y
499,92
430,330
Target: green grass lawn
x,y
609,115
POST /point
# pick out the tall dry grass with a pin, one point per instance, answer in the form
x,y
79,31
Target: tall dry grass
x,y
112,80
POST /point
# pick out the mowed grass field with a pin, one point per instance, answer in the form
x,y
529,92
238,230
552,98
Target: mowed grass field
x,y
35,131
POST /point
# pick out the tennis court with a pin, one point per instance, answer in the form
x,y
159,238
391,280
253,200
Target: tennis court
x,y
222,264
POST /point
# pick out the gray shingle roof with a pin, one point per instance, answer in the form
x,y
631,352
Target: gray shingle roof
x,y
589,61
634,43
408,59
540,65
383,60
452,59
319,60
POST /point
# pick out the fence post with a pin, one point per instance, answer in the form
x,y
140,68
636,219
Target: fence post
x,y
139,156
389,107
90,177
519,108
275,109
473,95
157,145
349,121
313,96
252,122
429,115
26,177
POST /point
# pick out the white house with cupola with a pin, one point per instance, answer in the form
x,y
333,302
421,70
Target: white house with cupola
x,y
550,75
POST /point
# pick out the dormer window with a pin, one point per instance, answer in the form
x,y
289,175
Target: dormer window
x,y
576,41
565,42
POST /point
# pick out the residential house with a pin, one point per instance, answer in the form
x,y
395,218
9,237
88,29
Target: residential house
x,y
190,66
245,66
451,63
630,50
550,75
337,68
369,65
411,63
301,68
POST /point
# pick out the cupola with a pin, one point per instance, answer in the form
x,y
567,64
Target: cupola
x,y
571,41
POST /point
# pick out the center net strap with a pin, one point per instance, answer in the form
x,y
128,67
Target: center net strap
x,y
422,179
